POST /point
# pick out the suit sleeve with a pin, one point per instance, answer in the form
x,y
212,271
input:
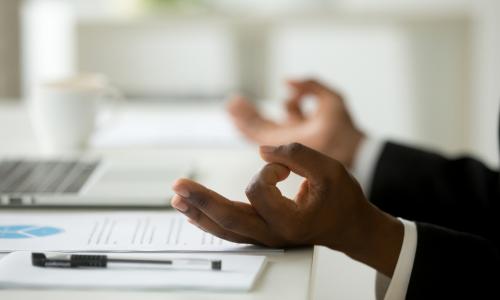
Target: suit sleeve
x,y
453,265
455,205
460,194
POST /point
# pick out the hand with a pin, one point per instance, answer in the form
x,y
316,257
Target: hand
x,y
330,209
329,129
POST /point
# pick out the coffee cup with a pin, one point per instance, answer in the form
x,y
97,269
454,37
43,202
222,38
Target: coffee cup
x,y
64,112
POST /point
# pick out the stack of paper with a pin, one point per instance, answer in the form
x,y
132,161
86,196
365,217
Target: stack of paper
x,y
121,233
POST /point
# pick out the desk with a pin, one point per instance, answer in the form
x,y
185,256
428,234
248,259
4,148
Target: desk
x,y
297,274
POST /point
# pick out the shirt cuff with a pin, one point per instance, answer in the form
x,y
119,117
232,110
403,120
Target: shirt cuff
x,y
365,161
402,273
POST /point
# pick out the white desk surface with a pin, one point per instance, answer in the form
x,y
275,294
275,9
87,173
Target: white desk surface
x,y
297,274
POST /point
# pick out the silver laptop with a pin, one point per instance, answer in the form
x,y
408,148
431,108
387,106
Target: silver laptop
x,y
72,183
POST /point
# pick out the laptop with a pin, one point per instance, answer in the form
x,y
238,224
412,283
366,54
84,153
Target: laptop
x,y
87,183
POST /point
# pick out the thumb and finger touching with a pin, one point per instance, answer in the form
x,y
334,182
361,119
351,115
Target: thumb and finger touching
x,y
265,195
298,158
325,97
304,161
241,222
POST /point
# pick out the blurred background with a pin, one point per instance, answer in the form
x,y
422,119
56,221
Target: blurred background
x,y
422,71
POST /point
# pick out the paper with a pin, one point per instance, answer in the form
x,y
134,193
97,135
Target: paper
x,y
166,231
239,273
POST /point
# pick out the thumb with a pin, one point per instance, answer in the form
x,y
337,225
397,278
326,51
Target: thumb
x,y
300,159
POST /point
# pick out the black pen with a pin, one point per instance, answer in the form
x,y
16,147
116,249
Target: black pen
x,y
102,261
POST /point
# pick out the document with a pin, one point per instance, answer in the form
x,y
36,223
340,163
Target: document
x,y
238,273
166,231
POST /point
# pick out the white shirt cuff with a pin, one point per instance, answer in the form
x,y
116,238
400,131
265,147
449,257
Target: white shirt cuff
x,y
365,161
402,273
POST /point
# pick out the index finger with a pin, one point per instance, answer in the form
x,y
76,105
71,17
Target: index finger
x,y
325,96
267,198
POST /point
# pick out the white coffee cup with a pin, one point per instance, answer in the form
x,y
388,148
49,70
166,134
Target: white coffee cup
x,y
64,112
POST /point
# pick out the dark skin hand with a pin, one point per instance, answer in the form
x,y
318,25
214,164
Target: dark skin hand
x,y
329,209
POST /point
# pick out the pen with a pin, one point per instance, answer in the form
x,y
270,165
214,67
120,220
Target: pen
x,y
102,261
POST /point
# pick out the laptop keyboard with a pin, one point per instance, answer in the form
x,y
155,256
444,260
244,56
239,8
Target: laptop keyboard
x,y
23,177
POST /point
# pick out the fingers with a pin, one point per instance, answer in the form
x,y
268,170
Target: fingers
x,y
199,219
300,159
229,215
248,120
266,197
327,98
240,107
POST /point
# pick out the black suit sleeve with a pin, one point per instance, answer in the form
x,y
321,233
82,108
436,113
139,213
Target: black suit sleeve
x,y
453,265
455,205
460,194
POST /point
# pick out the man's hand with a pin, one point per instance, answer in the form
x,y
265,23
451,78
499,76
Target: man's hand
x,y
330,209
329,129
